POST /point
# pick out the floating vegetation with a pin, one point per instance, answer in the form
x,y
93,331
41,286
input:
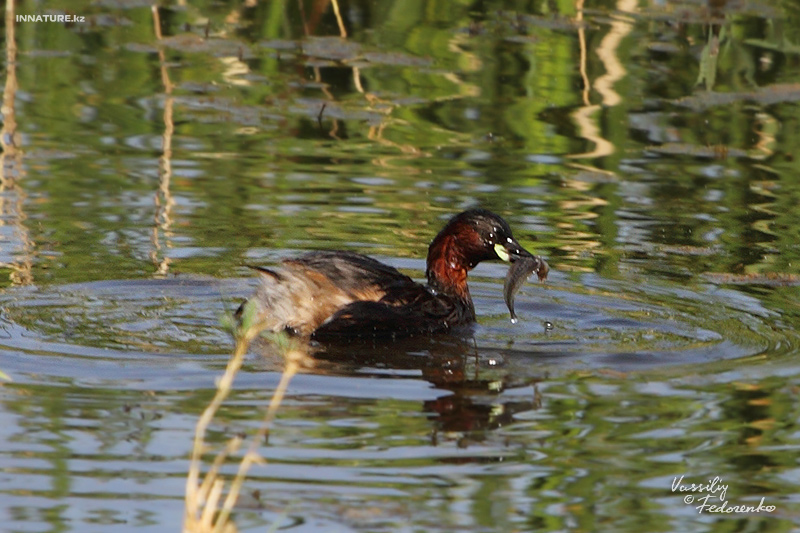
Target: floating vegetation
x,y
769,95
215,47
702,152
773,279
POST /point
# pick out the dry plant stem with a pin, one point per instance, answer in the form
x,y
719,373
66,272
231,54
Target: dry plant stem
x,y
339,21
194,496
252,456
207,516
213,472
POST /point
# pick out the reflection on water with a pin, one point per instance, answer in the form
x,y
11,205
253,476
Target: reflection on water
x,y
645,149
394,427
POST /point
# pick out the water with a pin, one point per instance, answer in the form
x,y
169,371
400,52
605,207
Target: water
x,y
646,150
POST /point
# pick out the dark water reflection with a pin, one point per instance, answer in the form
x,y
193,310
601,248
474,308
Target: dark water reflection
x,y
647,149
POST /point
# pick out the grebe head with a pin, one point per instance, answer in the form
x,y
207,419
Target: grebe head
x,y
468,238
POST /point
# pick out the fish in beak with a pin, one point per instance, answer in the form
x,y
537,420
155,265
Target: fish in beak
x,y
523,264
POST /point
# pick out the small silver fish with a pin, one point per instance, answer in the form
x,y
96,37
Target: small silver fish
x,y
517,274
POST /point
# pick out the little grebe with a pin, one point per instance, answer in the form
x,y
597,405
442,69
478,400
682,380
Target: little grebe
x,y
328,295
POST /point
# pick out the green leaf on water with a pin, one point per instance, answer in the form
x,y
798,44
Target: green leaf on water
x,y
249,316
228,321
708,62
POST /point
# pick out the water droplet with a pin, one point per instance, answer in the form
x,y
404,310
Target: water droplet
x,y
514,320
548,326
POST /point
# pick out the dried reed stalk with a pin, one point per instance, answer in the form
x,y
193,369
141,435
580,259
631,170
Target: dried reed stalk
x,y
205,509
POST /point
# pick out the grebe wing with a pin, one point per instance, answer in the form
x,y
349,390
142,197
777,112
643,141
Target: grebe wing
x,y
351,272
397,315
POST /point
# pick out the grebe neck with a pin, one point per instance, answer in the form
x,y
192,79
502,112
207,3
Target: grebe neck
x,y
447,270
